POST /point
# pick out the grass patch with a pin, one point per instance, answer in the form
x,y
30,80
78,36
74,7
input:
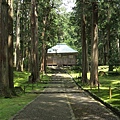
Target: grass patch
x,y
104,92
21,80
10,106
106,81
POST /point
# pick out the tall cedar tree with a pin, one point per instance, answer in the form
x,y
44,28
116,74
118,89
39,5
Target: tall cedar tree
x,y
46,12
94,45
84,44
34,42
17,49
5,42
10,46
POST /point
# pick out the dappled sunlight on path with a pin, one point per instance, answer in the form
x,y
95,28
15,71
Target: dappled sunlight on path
x,y
62,100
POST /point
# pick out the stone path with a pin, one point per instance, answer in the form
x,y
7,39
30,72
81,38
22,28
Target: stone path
x,y
62,100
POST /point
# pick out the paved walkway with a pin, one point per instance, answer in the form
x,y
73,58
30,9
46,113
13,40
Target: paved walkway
x,y
62,100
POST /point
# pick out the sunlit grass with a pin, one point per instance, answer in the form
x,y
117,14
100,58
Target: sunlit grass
x,y
10,106
107,81
20,78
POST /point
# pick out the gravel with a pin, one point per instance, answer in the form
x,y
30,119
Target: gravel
x,y
64,101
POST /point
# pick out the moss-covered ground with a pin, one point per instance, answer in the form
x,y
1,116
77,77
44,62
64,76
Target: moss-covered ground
x,y
25,94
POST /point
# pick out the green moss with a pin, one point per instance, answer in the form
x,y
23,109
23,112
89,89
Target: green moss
x,y
10,106
104,93
106,81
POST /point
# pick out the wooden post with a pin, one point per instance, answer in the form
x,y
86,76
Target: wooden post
x,y
90,87
98,87
32,86
110,92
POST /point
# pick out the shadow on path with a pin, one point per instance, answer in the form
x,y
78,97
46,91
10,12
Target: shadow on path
x,y
62,100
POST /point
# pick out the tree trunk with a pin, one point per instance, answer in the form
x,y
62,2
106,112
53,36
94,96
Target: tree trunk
x,y
84,48
43,46
43,58
34,42
94,44
46,12
118,48
109,46
17,49
10,46
4,79
23,37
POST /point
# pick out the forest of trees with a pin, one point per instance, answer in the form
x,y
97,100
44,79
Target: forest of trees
x,y
29,27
